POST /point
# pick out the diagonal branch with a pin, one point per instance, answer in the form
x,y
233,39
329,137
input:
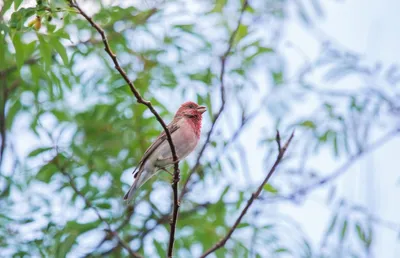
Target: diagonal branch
x,y
132,87
342,169
113,234
254,195
222,107
174,212
140,100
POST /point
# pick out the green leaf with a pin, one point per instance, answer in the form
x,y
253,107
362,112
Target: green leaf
x,y
61,33
104,205
360,233
277,78
243,225
19,49
332,225
159,248
309,124
38,151
269,188
17,3
335,145
66,245
12,112
185,27
205,77
19,17
344,230
60,49
282,250
219,6
81,227
46,172
45,50
6,5
241,33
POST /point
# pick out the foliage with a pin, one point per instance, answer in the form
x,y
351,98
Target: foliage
x,y
68,118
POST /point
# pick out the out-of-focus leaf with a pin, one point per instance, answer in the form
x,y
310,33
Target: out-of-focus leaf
x,y
282,250
38,151
12,112
45,50
66,245
277,78
243,225
46,172
74,226
242,32
17,3
219,5
344,230
159,248
309,124
19,17
60,49
19,49
104,205
332,224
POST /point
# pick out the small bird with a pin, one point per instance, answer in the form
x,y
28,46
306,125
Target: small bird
x,y
185,133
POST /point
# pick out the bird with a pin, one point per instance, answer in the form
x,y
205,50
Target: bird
x,y
185,130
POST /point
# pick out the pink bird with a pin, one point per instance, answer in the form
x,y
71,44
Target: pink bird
x,y
185,132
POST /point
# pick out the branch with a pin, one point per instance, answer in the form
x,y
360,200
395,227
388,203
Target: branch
x,y
88,204
227,145
254,195
135,92
3,131
175,211
140,100
342,169
11,69
222,107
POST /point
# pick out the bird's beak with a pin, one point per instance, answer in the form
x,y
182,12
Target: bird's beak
x,y
201,109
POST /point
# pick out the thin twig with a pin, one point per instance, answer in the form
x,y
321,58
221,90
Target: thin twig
x,y
14,68
132,87
226,146
253,197
222,107
140,100
342,169
88,204
174,212
3,131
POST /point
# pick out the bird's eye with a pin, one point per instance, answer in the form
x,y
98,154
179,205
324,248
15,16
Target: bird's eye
x,y
191,106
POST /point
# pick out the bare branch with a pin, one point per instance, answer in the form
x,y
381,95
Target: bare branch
x,y
342,169
11,69
226,146
140,99
113,234
174,212
222,107
135,92
253,197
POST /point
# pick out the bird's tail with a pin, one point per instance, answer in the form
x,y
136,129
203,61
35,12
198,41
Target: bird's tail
x,y
139,181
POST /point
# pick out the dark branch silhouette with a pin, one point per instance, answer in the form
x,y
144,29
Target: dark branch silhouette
x,y
110,231
254,195
342,169
222,107
140,100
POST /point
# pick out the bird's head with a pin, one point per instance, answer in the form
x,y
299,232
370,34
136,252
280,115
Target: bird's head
x,y
191,110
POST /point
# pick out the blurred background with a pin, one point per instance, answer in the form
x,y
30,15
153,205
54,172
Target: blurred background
x,y
72,132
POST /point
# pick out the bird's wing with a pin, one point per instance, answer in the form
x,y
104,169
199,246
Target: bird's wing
x,y
172,127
